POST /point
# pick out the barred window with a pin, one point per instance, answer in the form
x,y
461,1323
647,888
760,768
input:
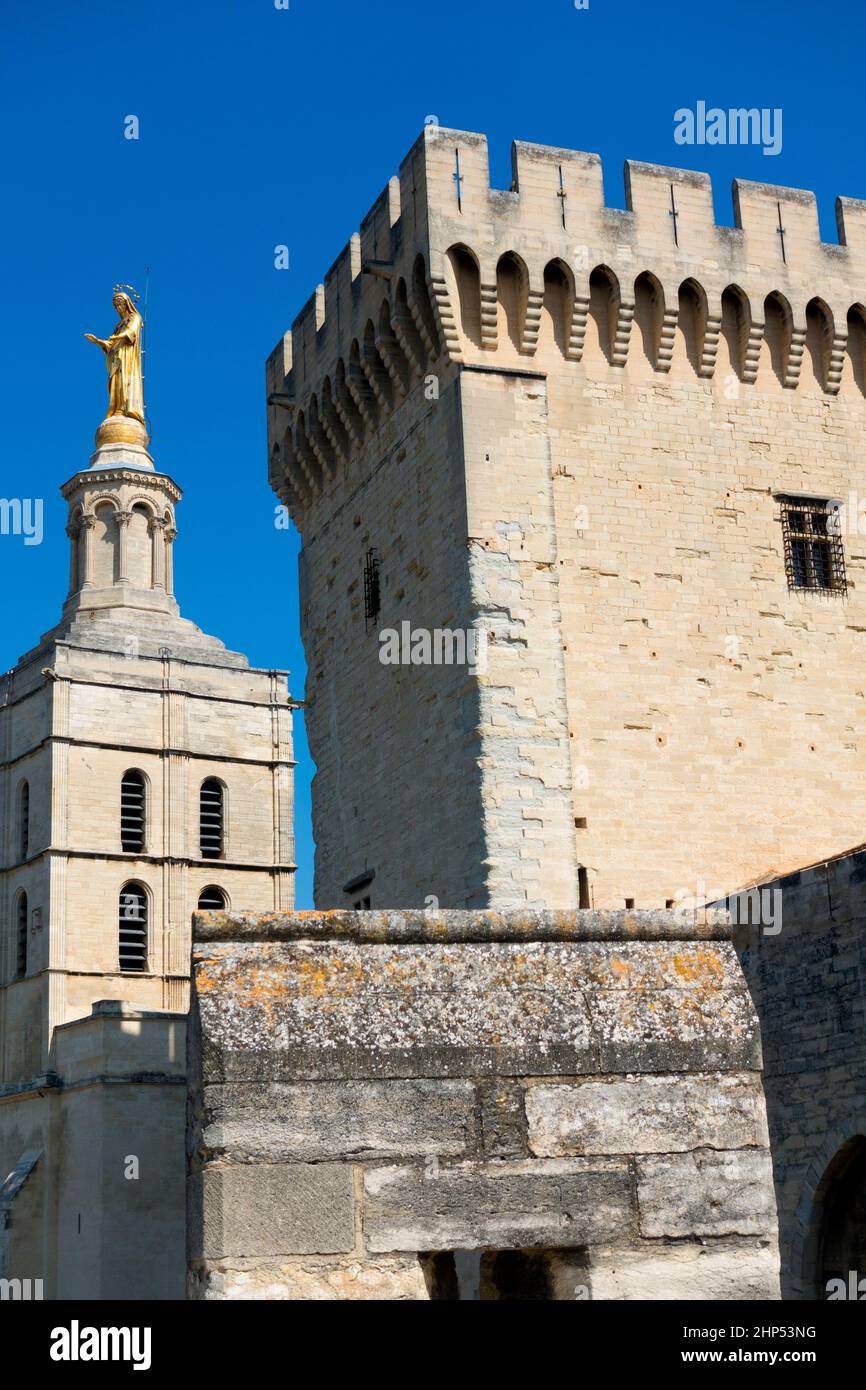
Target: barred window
x,y
21,960
814,557
132,932
211,829
132,808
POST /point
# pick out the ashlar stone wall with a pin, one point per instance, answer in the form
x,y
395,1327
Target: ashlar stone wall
x,y
571,425
808,983
438,1105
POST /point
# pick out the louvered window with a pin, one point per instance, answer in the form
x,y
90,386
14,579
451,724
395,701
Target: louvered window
x,y
212,899
211,819
24,820
21,961
132,811
132,924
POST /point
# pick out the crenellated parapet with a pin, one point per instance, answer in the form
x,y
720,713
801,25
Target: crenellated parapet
x,y
447,270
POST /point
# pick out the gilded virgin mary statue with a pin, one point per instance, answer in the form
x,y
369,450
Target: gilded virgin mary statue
x,y
123,360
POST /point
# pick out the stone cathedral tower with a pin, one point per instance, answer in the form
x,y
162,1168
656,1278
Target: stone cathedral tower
x,y
145,772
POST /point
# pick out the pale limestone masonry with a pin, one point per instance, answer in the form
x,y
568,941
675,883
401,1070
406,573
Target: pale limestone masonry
x,y
571,424
392,1104
123,683
808,983
82,1221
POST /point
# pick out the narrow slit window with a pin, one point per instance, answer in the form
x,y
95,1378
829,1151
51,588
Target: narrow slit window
x,y
132,929
24,820
132,813
584,900
814,555
372,588
21,958
212,899
211,816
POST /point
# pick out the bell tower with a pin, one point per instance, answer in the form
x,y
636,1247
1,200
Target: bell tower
x,y
145,773
145,770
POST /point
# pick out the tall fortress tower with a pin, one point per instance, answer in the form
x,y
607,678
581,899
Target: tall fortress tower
x,y
628,445
145,772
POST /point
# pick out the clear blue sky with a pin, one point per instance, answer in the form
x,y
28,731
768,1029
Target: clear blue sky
x,y
261,126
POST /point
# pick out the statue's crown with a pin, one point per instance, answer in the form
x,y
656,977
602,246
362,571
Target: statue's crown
x,y
126,289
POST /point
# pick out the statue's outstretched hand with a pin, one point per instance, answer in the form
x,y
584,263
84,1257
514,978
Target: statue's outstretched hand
x,y
99,341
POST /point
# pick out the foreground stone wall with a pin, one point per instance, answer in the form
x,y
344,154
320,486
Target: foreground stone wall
x,y
415,1105
808,982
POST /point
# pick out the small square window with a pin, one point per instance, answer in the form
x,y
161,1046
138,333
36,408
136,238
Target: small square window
x,y
814,557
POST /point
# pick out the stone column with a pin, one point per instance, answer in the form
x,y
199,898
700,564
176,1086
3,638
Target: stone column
x,y
170,537
88,522
123,520
157,532
73,533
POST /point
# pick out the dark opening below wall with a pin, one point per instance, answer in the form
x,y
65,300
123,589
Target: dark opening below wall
x,y
506,1275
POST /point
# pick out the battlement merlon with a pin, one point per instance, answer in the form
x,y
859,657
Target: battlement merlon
x,y
555,210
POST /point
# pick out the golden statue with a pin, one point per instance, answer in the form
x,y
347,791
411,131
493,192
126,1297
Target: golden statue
x,y
123,359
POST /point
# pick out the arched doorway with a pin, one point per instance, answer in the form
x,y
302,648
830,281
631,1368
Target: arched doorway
x,y
841,1245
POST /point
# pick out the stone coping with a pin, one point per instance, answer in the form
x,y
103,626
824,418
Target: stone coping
x,y
422,927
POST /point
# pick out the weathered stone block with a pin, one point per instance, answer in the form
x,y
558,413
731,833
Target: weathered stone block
x,y
273,1209
397,1278
334,1009
500,1205
503,1120
706,1194
351,1119
646,1114
686,1273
